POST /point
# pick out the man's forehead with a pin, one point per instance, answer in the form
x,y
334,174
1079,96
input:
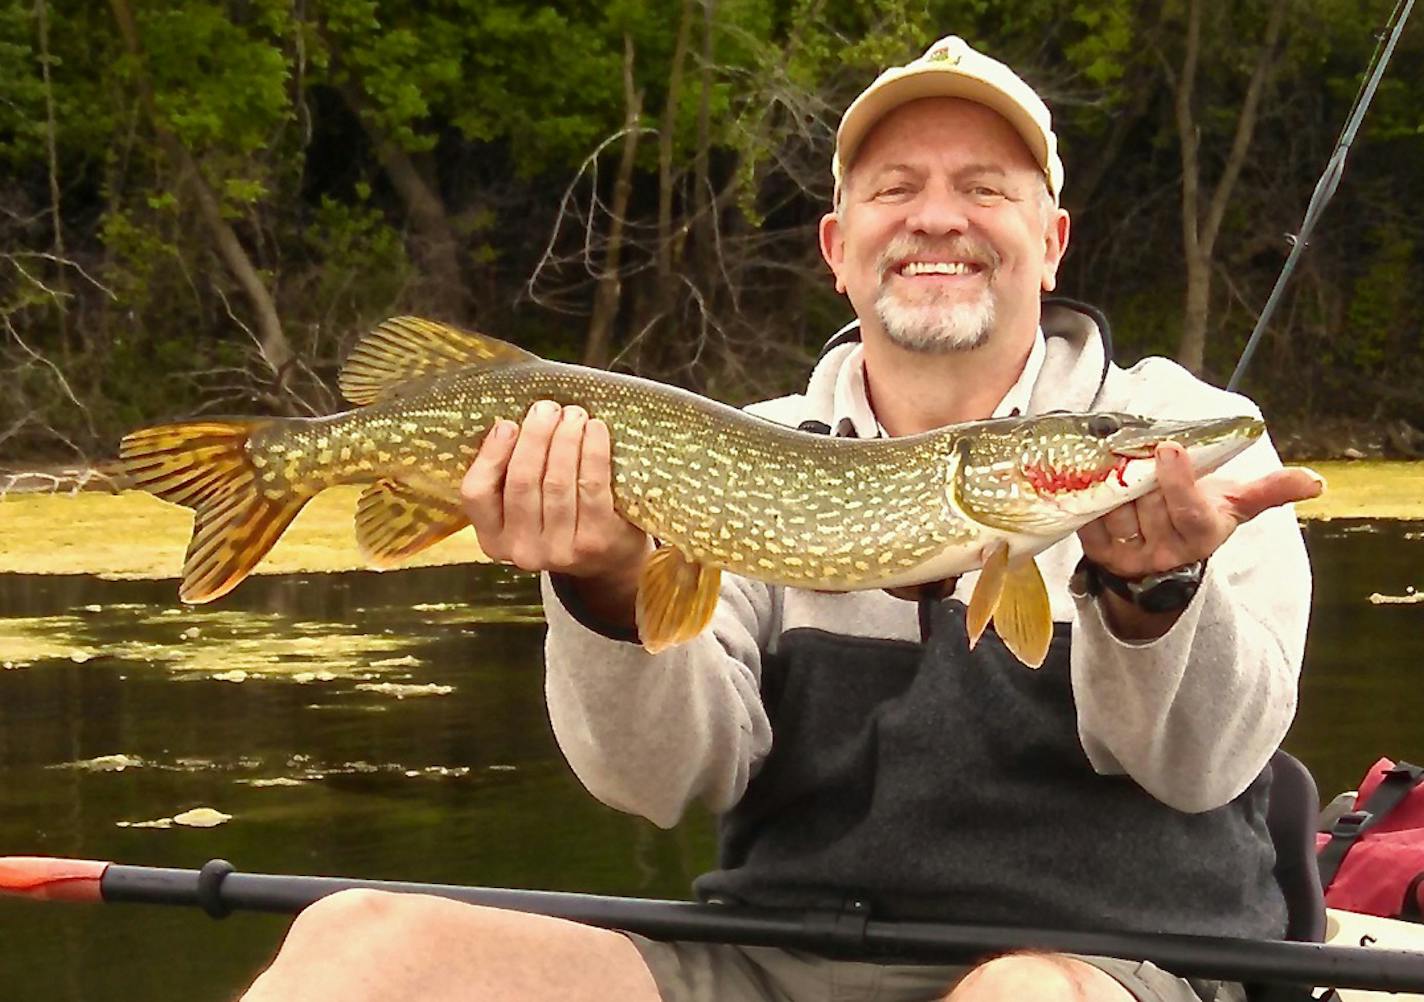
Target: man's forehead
x,y
974,168
939,124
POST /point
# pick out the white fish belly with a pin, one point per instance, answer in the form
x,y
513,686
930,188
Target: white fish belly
x,y
962,558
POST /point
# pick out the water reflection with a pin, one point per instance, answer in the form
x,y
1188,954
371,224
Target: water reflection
x,y
393,726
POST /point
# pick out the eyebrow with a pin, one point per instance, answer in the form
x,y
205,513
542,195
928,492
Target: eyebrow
x,y
970,169
895,168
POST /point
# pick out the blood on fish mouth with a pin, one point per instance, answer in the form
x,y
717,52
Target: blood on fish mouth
x,y
1047,480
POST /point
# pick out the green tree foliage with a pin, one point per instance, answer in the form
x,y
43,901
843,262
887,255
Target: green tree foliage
x,y
638,181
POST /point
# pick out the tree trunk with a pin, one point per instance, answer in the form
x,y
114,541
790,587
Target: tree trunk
x,y
437,249
1200,228
666,251
1191,349
704,228
1141,85
61,281
272,342
597,346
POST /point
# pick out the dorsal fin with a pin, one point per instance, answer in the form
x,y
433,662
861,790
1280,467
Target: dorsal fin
x,y
404,348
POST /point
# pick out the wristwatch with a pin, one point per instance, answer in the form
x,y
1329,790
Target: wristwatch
x,y
1167,591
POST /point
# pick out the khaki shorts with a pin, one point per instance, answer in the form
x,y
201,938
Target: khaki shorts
x,y
720,972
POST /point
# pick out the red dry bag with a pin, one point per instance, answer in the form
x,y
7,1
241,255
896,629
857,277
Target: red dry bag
x,y
1372,859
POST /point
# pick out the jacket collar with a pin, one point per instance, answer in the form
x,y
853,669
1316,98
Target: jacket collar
x,y
1066,369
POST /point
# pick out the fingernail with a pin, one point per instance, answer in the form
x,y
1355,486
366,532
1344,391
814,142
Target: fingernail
x,y
502,429
1317,478
575,413
544,409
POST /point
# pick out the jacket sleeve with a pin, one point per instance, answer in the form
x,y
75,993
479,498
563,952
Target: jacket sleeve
x,y
649,734
1195,715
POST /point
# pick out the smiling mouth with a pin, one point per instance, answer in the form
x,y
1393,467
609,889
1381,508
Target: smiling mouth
x,y
914,269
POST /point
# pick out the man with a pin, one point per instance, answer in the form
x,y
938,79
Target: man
x,y
861,758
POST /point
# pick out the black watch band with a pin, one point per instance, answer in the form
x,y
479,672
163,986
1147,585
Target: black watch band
x,y
1168,591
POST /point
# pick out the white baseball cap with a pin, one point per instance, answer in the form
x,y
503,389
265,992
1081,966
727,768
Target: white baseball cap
x,y
950,68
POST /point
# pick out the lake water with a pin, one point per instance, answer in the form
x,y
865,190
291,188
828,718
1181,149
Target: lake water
x,y
393,726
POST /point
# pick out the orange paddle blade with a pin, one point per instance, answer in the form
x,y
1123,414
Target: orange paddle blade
x,y
50,879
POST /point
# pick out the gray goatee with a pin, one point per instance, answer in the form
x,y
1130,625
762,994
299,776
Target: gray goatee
x,y
936,321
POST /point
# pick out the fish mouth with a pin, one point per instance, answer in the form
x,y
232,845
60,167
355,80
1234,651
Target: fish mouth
x,y
1194,436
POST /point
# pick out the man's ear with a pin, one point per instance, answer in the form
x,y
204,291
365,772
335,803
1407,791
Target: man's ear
x,y
1055,245
833,246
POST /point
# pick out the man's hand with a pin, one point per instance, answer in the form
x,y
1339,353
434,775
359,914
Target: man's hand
x,y
540,496
1184,520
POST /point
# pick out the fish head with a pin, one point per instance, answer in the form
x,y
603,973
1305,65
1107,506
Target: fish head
x,y
1049,474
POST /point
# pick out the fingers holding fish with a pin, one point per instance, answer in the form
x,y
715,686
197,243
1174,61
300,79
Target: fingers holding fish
x,y
1206,512
1122,528
502,490
1097,541
1199,511
482,490
603,538
524,477
595,480
1163,546
540,496
523,533
560,485
1190,510
581,533
1125,539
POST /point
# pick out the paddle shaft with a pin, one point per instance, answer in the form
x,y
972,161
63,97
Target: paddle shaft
x,y
219,890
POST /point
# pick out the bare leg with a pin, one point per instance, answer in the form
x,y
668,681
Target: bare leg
x,y
1042,977
363,946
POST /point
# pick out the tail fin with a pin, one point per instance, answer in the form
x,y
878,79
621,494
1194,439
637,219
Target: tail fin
x,y
204,465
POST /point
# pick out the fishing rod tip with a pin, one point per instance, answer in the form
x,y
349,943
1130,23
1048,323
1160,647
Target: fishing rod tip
x,y
50,878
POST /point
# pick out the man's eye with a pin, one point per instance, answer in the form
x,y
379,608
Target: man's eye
x,y
984,191
894,191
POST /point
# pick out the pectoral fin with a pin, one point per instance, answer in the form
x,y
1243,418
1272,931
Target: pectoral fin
x,y
676,599
1013,595
395,521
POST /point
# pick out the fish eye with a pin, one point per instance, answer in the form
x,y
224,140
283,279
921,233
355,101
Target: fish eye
x,y
1103,425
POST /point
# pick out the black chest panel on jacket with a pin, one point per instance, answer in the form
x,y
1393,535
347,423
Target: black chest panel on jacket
x,y
932,782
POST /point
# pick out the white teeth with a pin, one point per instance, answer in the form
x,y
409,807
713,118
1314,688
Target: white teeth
x,y
935,268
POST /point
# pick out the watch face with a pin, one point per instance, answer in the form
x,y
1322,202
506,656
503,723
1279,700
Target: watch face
x,y
1168,596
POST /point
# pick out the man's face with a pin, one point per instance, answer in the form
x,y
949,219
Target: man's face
x,y
945,233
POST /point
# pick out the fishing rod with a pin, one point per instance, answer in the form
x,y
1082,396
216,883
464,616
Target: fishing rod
x,y
219,890
1329,180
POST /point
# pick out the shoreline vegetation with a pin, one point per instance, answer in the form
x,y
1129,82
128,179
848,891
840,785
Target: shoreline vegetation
x,y
133,535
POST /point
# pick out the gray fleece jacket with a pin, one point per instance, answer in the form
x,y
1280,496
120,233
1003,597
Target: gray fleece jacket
x,y
852,757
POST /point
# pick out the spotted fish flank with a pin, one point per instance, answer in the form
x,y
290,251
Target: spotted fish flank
x,y
720,489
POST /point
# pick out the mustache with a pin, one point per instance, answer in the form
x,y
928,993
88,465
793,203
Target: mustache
x,y
962,248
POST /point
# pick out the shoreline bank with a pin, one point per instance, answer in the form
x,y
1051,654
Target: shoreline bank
x,y
133,535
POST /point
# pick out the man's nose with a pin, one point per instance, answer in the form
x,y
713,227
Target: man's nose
x,y
937,212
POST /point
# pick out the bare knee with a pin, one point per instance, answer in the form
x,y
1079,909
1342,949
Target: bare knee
x,y
346,915
1046,977
365,944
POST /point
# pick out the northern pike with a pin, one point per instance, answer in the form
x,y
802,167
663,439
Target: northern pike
x,y
717,488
